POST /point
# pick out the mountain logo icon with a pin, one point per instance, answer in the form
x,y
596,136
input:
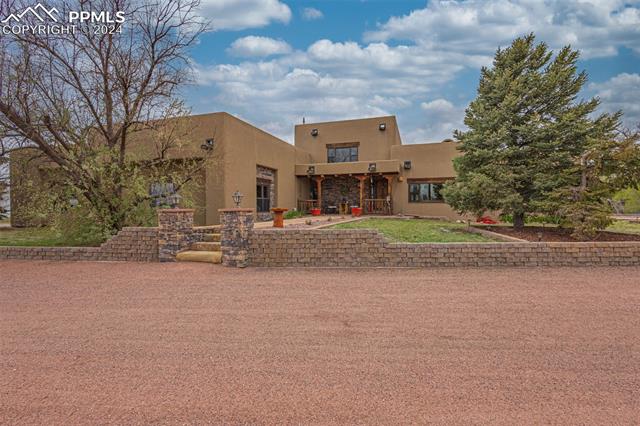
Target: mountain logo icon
x,y
38,11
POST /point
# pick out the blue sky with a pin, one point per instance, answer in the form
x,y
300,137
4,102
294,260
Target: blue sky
x,y
272,62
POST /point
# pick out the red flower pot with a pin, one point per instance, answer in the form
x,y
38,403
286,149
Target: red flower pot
x,y
356,211
315,212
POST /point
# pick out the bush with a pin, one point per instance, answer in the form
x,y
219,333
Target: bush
x,y
292,214
78,227
537,218
631,199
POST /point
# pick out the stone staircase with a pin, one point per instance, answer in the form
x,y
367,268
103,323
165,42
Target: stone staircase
x,y
205,251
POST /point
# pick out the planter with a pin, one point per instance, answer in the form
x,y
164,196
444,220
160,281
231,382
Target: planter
x,y
315,212
356,211
278,218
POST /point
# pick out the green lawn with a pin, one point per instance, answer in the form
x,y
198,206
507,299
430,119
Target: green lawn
x,y
418,230
625,226
38,237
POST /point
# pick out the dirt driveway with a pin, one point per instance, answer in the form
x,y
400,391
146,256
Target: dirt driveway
x,y
120,343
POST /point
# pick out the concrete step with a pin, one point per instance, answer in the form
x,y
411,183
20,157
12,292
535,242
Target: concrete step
x,y
199,256
207,246
211,237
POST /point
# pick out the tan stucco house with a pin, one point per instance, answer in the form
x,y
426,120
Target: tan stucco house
x,y
332,165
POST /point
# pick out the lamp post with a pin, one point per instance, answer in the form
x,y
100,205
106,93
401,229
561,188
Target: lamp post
x,y
237,198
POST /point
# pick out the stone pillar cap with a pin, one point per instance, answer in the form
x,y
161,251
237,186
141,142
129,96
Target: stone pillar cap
x,y
176,210
238,210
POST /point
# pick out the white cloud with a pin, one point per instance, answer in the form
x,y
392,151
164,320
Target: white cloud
x,y
479,26
243,14
254,46
311,13
431,46
441,117
621,92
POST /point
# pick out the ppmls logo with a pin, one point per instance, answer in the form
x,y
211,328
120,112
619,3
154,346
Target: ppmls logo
x,y
38,11
39,19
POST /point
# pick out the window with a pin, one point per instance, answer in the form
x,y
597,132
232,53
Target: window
x,y
342,154
263,200
425,192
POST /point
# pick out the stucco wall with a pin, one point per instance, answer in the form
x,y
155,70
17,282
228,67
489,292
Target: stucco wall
x,y
428,161
374,144
246,147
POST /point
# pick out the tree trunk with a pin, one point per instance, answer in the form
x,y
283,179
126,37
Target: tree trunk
x,y
518,220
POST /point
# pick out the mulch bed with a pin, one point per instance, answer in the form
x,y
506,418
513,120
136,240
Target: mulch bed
x,y
553,234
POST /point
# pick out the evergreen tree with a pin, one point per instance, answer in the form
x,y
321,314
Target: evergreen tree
x,y
528,135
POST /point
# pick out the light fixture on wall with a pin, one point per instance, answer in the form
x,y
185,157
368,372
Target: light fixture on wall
x,y
372,167
207,146
314,132
382,127
407,165
237,198
311,170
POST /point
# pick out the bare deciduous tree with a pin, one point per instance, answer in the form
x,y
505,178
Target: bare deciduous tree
x,y
80,98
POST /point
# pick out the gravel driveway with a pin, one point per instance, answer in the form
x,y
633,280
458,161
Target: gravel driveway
x,y
124,343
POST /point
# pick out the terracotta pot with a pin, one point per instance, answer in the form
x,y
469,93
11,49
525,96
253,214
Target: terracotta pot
x,y
315,212
278,218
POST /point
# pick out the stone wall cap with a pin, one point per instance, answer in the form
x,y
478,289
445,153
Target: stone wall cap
x,y
176,210
239,210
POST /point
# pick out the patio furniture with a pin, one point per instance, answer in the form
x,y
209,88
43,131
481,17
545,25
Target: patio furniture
x,y
344,208
306,205
278,217
332,209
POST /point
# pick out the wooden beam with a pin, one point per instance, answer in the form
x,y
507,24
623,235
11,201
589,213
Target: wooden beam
x,y
319,180
361,179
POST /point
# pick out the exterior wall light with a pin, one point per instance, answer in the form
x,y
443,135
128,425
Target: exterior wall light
x,y
372,167
407,165
207,146
237,198
314,132
382,127
311,170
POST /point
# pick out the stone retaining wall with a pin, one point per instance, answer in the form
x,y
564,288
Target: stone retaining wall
x,y
368,248
133,244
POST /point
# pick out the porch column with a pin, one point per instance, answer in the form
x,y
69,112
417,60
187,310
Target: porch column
x,y
361,179
389,179
319,180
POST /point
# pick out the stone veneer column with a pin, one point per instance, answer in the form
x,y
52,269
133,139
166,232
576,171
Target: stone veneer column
x,y
237,226
175,232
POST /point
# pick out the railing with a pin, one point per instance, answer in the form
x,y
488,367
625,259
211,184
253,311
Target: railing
x,y
306,205
377,206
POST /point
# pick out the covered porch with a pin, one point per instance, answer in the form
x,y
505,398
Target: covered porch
x,y
338,194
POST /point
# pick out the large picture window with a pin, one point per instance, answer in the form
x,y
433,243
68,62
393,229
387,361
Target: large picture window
x,y
425,192
263,201
342,154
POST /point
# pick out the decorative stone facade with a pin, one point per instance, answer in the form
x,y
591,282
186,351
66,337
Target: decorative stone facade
x,y
133,244
236,231
175,232
337,188
368,248
267,176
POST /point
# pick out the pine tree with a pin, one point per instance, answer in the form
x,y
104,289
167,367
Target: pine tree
x,y
528,135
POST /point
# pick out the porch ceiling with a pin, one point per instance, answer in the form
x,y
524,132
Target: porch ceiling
x,y
351,168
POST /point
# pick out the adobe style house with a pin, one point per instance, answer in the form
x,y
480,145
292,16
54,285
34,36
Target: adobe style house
x,y
333,166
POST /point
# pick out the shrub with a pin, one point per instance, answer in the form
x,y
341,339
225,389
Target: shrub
x,y
292,214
